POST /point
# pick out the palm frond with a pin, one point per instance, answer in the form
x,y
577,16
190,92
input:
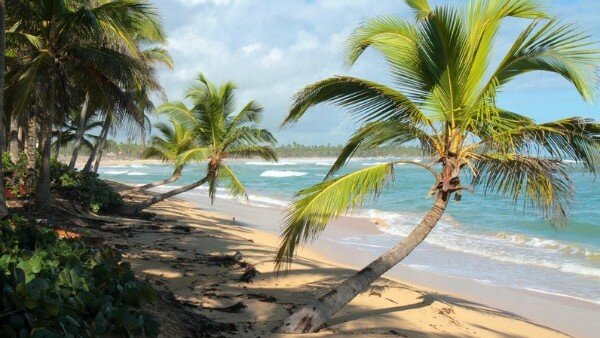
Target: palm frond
x,y
197,154
541,184
265,152
553,47
574,138
316,206
381,133
234,185
420,8
365,99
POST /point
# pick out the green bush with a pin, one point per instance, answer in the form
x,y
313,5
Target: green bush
x,y
15,176
61,288
84,188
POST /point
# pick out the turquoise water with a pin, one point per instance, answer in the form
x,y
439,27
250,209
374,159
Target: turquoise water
x,y
482,237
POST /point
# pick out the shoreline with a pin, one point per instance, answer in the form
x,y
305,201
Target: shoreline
x,y
544,308
174,251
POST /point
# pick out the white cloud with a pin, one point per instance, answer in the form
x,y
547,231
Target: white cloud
x,y
274,55
249,49
272,48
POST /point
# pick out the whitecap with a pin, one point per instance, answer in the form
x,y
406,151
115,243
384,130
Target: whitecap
x,y
136,173
282,173
115,172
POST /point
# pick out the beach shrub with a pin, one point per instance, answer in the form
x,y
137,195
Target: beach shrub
x,y
17,177
84,188
55,287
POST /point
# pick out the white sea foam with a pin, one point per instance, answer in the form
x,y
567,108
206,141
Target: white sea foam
x,y
324,163
271,163
373,163
259,200
516,249
282,173
136,173
115,172
138,166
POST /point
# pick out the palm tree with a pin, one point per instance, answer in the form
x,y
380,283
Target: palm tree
x,y
65,47
134,118
3,207
218,134
67,133
176,140
444,100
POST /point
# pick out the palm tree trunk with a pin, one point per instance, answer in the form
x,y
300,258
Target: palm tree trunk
x,y
80,132
176,175
99,143
43,195
132,209
58,142
313,317
3,207
14,138
99,156
30,141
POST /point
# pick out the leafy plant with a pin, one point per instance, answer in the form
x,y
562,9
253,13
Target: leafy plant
x,y
55,287
84,188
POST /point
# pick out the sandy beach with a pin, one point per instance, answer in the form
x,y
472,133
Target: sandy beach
x,y
187,251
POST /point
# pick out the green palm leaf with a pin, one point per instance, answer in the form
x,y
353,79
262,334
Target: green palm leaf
x,y
541,184
319,204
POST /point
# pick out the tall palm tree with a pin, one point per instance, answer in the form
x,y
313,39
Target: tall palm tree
x,y
134,118
444,100
218,134
3,207
176,139
66,46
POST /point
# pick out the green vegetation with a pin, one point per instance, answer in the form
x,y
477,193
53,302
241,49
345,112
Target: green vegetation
x,y
84,188
133,151
445,101
62,288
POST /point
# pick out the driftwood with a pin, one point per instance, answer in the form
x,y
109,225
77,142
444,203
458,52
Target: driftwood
x,y
235,308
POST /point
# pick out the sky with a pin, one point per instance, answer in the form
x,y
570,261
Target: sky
x,y
273,48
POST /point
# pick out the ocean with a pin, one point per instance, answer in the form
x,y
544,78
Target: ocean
x,y
483,238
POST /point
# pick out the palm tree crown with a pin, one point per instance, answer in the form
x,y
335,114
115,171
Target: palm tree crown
x,y
444,100
219,132
175,140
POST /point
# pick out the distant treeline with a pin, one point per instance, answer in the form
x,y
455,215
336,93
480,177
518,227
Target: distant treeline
x,y
127,150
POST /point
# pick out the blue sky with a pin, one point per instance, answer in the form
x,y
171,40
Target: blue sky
x,y
272,48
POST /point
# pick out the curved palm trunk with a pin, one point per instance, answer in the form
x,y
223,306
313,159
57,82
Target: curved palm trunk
x,y
99,156
176,175
3,207
99,143
313,317
133,209
80,132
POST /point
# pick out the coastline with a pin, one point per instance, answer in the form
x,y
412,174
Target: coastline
x,y
176,252
559,312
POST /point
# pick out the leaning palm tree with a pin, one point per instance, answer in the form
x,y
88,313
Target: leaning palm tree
x,y
444,100
218,134
176,139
